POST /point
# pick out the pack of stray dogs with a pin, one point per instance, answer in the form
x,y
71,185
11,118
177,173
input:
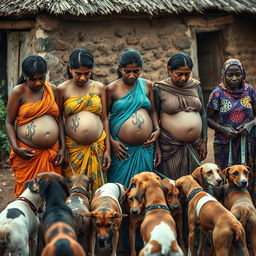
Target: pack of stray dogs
x,y
57,216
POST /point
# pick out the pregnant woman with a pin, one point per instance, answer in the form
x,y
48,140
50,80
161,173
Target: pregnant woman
x,y
83,102
31,124
183,121
133,121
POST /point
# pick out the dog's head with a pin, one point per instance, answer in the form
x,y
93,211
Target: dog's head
x,y
44,180
172,195
208,174
104,220
186,184
237,175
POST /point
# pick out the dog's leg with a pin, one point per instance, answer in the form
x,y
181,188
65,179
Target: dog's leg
x,y
179,233
115,241
92,243
202,241
33,243
191,239
132,230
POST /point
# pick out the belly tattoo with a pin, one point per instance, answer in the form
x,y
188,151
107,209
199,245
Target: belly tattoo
x,y
137,119
75,122
30,130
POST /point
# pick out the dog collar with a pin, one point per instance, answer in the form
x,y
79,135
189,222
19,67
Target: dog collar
x,y
31,205
229,190
156,206
194,192
80,191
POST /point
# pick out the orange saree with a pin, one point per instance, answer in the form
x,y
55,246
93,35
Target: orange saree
x,y
43,161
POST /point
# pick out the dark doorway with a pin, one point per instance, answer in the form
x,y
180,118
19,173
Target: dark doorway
x,y
3,65
210,59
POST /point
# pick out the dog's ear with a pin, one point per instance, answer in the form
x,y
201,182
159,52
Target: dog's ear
x,y
250,177
224,174
164,187
197,175
43,185
88,214
64,184
30,184
119,215
139,194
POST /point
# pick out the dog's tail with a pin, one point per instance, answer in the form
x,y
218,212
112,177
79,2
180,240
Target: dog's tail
x,y
238,232
4,237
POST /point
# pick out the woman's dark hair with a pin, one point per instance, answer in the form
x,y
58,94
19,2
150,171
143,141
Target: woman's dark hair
x,y
80,58
179,60
127,57
31,65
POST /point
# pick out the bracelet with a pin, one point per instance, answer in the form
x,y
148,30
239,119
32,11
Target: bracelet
x,y
156,128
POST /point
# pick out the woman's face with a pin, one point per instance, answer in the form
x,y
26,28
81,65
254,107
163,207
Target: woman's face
x,y
180,76
36,82
233,77
130,73
81,75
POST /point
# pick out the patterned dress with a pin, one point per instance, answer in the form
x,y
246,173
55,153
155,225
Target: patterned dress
x,y
234,107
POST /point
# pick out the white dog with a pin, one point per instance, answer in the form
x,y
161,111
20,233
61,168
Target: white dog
x,y
19,224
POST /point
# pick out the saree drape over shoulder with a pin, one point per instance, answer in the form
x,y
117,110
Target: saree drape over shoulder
x,y
179,158
141,158
86,159
43,161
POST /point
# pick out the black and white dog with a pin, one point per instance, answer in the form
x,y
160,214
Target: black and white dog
x,y
19,224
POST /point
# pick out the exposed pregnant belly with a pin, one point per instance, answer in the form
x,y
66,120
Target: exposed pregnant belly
x,y
136,129
42,132
184,126
84,127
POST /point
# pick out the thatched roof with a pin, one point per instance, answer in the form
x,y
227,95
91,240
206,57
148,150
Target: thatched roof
x,y
23,8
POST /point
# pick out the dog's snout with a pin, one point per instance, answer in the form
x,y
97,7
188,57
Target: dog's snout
x,y
135,211
219,180
244,183
175,207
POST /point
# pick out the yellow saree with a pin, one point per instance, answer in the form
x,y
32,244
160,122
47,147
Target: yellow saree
x,y
86,159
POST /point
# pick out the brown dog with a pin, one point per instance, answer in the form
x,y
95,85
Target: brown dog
x,y
158,229
135,210
172,197
78,201
57,222
106,215
238,200
206,211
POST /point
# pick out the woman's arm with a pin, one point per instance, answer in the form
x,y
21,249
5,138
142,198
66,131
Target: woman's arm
x,y
104,119
12,112
62,154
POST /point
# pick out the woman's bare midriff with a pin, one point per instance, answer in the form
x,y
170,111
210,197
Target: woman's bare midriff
x,y
184,126
84,127
136,129
41,132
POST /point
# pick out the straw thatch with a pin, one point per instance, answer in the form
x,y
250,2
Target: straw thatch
x,y
23,8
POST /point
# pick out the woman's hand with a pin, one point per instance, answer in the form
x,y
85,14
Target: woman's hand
x,y
152,139
61,156
203,150
230,132
106,160
119,150
157,157
245,129
24,153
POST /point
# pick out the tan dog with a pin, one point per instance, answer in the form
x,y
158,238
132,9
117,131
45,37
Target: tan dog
x,y
207,174
78,201
57,222
158,229
172,197
135,209
206,211
238,200
106,214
